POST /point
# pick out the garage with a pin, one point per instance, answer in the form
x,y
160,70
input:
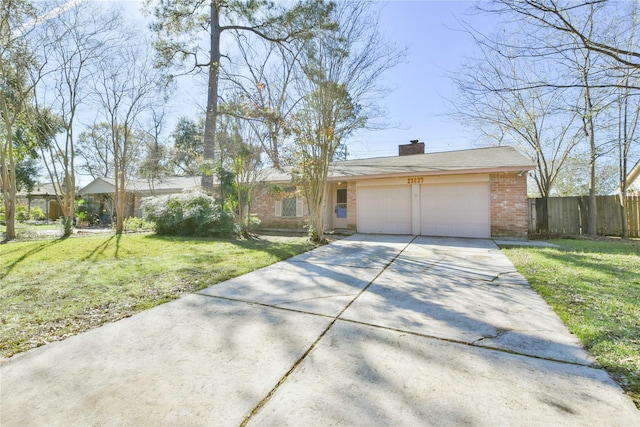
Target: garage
x,y
480,193
456,210
384,209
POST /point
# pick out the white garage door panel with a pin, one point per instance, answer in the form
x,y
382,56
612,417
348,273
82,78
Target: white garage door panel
x,y
457,210
384,209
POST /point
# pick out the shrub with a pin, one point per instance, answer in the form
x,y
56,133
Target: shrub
x,y
22,212
136,224
253,222
37,214
187,214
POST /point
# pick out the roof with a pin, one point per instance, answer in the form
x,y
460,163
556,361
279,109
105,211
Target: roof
x,y
633,179
174,184
45,189
492,159
479,160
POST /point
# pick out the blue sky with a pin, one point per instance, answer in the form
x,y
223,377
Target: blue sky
x,y
421,86
416,105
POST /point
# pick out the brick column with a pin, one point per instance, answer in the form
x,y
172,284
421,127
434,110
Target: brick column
x,y
509,207
352,208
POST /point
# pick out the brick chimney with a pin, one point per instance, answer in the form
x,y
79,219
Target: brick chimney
x,y
409,149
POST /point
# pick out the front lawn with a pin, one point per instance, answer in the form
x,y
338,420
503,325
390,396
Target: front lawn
x,y
594,286
31,230
52,289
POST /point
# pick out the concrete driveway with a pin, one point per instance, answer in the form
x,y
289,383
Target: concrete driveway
x,y
370,330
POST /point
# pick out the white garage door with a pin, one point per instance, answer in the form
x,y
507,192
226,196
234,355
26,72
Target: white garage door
x,y
384,209
457,210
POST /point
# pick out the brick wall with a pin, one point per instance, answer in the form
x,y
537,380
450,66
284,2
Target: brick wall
x,y
264,206
411,149
352,207
509,208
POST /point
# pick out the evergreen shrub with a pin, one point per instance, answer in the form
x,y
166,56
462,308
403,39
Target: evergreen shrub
x,y
188,214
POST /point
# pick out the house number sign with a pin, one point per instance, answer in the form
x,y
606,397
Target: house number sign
x,y
415,180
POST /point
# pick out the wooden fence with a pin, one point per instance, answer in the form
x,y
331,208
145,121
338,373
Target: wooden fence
x,y
570,215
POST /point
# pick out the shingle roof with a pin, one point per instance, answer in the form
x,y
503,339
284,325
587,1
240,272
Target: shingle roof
x,y
39,189
174,184
479,160
467,161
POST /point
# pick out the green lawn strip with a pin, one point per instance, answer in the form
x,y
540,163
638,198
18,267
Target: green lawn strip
x,y
55,288
594,286
30,231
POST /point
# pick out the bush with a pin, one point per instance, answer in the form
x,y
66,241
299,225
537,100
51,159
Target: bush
x,y
253,223
187,214
22,213
136,224
37,214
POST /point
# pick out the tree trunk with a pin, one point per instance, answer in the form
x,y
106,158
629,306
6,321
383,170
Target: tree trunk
x,y
593,216
589,128
316,231
120,203
623,191
623,215
67,196
315,200
7,164
212,101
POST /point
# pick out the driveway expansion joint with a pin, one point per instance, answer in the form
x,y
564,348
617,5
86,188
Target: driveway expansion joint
x,y
474,343
282,380
281,303
498,334
262,304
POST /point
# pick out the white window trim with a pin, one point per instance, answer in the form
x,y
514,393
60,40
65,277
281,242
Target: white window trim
x,y
299,208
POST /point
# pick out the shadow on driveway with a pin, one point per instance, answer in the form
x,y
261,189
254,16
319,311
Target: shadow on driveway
x,y
370,330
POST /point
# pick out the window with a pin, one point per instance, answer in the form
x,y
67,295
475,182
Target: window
x,y
289,207
341,205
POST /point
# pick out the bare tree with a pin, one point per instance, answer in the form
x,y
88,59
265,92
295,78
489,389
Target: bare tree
x,y
628,118
94,151
496,101
569,37
127,87
264,80
16,90
72,46
341,89
566,17
242,156
588,113
153,166
180,24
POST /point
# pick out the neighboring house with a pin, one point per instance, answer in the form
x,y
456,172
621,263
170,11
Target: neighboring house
x,y
101,191
44,197
468,193
633,181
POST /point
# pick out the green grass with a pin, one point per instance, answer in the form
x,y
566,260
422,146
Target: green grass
x,y
594,286
50,289
29,231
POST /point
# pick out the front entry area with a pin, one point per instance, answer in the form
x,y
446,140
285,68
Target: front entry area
x,y
340,211
453,207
